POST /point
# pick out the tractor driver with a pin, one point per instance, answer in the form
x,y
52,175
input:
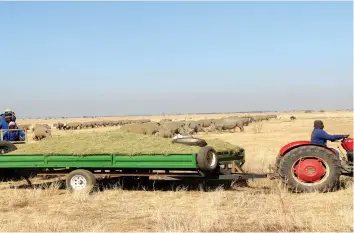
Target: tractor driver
x,y
12,134
320,137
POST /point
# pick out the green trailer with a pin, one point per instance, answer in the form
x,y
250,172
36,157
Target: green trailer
x,y
83,171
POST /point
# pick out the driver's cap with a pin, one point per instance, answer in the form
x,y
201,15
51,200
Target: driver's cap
x,y
8,110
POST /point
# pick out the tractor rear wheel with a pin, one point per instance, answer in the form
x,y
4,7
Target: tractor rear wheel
x,y
310,169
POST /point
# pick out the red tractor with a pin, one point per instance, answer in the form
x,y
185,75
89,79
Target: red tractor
x,y
306,167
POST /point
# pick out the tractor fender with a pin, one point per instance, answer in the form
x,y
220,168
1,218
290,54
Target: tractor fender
x,y
292,145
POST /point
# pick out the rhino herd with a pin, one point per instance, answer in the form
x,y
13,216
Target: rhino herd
x,y
170,128
164,128
96,124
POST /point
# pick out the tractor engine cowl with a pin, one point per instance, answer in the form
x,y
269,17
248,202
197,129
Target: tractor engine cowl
x,y
347,144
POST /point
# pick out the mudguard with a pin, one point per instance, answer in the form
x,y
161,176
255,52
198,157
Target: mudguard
x,y
288,147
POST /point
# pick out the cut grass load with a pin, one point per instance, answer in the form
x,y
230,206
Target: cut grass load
x,y
117,142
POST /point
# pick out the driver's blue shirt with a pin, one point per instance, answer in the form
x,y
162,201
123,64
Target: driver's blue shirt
x,y
320,137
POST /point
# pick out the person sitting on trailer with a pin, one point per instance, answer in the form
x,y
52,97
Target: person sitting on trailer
x,y
4,124
8,112
320,137
12,134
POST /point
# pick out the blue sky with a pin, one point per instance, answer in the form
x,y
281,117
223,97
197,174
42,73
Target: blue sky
x,y
118,58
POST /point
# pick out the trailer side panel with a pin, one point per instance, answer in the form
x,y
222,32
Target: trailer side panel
x,y
174,161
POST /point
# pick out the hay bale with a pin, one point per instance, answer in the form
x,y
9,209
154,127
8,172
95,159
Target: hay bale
x,y
115,142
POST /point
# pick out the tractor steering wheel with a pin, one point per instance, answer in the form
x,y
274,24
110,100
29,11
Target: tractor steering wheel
x,y
345,137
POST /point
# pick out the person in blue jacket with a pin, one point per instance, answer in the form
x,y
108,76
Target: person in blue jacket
x,y
4,124
320,137
13,135
4,120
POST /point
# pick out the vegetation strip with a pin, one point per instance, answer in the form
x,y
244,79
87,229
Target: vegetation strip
x,y
116,142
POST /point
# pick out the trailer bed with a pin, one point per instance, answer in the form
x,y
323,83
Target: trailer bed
x,y
92,166
170,161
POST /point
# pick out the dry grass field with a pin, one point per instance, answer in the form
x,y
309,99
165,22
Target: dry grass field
x,y
263,206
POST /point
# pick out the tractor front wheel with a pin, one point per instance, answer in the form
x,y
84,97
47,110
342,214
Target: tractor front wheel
x,y
310,169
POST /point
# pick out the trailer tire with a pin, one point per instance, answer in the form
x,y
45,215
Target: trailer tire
x,y
294,175
207,160
189,141
6,147
81,180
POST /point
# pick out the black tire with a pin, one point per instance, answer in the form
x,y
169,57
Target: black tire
x,y
6,147
81,180
190,141
327,183
207,160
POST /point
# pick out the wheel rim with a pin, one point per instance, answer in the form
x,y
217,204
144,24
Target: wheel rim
x,y
211,158
310,170
78,182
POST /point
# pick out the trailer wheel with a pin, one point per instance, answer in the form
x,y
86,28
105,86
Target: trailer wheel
x,y
309,169
81,180
189,141
6,147
207,159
